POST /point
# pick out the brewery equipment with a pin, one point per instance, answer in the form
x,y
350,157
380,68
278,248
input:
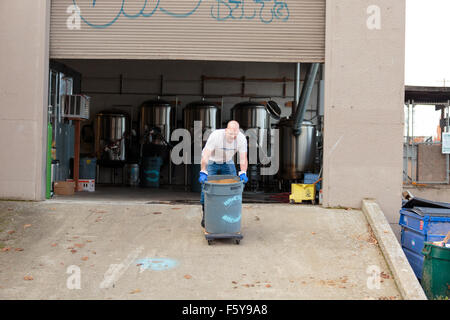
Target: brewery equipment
x,y
209,115
111,135
204,111
297,153
253,115
297,137
157,119
254,119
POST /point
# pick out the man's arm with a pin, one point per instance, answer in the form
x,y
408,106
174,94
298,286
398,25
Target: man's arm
x,y
206,154
243,162
207,151
242,149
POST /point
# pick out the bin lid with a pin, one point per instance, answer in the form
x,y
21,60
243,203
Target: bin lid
x,y
423,203
424,211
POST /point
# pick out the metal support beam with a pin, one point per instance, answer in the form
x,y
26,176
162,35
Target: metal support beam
x,y
76,160
304,98
121,84
296,87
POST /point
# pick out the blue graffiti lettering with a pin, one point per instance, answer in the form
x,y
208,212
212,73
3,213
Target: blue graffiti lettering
x,y
182,15
268,10
136,15
221,10
281,10
231,200
263,13
215,12
81,8
231,219
229,7
121,11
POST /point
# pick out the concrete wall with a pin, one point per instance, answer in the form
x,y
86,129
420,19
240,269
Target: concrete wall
x,y
439,192
364,78
431,163
24,29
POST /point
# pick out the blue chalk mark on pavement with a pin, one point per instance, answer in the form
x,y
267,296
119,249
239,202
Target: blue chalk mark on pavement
x,y
157,264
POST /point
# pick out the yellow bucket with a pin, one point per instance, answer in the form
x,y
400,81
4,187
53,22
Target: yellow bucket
x,y
302,192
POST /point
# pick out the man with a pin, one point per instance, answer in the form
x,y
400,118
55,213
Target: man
x,y
217,156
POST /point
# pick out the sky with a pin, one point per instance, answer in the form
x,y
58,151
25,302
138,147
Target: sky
x,y
427,42
427,54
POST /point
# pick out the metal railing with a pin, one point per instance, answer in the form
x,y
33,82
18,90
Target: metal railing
x,y
410,147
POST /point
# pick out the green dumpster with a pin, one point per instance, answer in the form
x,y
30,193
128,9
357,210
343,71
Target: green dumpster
x,y
436,271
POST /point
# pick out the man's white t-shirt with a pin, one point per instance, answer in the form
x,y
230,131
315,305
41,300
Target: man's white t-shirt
x,y
221,150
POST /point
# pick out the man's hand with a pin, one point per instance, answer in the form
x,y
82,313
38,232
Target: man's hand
x,y
203,177
243,177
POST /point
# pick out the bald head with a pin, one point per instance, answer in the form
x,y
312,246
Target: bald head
x,y
232,130
233,124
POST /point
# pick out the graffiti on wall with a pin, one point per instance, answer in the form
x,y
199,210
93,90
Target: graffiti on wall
x,y
264,11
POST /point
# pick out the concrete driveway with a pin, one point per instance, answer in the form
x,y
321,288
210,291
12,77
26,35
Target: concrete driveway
x,y
129,250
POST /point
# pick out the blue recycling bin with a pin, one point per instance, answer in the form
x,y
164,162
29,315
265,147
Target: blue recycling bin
x,y
88,168
151,168
422,221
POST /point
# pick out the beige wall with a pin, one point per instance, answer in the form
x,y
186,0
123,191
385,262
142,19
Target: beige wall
x,y
23,97
437,192
364,76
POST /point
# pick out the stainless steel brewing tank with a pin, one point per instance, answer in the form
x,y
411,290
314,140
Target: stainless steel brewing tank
x,y
206,112
156,114
297,153
253,115
111,128
209,114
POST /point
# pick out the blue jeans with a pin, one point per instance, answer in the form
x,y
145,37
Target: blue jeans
x,y
226,168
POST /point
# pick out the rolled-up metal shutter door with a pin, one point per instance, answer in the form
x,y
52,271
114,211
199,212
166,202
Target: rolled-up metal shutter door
x,y
223,30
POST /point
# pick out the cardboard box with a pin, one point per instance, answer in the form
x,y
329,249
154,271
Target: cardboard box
x,y
64,188
85,184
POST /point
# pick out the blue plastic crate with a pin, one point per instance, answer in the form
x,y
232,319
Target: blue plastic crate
x,y
418,229
310,178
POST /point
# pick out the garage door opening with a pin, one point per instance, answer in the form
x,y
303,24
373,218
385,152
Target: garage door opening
x,y
133,143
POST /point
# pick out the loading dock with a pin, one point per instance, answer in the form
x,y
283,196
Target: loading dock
x,y
137,100
346,96
132,250
362,156
123,107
